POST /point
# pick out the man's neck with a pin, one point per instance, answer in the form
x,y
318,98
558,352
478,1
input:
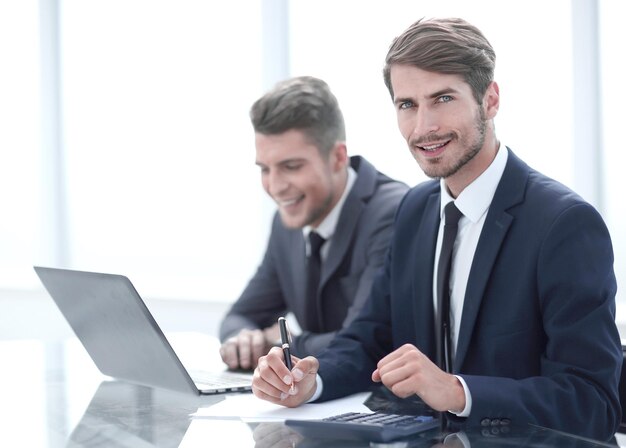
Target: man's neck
x,y
328,224
474,168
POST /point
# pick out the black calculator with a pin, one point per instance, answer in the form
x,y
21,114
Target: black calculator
x,y
375,427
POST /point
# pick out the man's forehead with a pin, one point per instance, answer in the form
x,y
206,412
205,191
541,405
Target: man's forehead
x,y
409,80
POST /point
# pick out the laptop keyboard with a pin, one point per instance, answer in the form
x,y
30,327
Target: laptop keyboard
x,y
222,381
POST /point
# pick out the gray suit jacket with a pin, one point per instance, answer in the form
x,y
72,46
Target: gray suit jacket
x,y
358,248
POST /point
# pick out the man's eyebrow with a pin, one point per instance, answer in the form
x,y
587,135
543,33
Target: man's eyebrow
x,y
400,100
283,162
438,93
444,91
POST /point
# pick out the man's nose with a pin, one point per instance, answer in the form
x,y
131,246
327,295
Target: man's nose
x,y
424,123
276,183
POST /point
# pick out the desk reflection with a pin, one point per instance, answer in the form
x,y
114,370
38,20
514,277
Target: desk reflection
x,y
52,396
125,415
209,433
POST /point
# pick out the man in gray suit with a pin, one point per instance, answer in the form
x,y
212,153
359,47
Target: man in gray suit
x,y
319,190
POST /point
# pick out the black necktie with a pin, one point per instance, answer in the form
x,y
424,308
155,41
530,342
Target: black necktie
x,y
314,268
444,348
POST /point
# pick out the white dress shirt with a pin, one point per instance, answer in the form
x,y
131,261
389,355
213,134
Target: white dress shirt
x,y
473,202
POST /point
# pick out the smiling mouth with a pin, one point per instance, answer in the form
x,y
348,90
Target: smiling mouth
x,y
285,203
432,148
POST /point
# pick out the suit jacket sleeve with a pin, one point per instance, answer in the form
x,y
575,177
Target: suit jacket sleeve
x,y
347,364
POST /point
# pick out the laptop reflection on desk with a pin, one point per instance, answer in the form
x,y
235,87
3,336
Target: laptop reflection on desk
x,y
124,415
122,337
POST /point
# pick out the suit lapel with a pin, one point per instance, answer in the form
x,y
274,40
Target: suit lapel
x,y
424,253
342,239
491,239
362,190
510,192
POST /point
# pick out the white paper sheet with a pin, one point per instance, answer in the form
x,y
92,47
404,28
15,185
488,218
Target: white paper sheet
x,y
219,433
249,408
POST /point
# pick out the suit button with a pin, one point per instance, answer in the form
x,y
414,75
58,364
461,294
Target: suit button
x,y
495,422
485,422
505,422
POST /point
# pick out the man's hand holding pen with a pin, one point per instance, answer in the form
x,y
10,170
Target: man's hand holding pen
x,y
289,381
282,378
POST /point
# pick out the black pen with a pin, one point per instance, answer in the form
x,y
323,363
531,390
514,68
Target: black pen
x,y
284,339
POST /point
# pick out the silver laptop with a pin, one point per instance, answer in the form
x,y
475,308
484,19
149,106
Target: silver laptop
x,y
122,337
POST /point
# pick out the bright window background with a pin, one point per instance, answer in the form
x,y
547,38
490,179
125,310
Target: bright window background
x,y
612,39
161,179
20,153
158,156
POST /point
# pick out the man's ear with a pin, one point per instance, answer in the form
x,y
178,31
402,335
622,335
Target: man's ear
x,y
339,156
491,100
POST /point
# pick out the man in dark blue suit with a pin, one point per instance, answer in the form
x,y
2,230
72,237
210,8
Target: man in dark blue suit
x,y
532,334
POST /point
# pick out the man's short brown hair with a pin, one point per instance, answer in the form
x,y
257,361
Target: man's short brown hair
x,y
304,103
451,46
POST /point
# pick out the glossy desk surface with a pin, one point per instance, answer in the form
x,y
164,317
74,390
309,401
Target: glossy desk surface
x,y
53,396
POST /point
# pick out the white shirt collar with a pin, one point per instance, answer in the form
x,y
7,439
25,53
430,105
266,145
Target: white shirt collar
x,y
475,199
327,227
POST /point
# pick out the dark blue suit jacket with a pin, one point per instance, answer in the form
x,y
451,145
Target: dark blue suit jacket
x,y
538,341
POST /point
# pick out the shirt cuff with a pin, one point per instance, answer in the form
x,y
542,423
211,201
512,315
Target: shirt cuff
x,y
318,389
461,437
468,400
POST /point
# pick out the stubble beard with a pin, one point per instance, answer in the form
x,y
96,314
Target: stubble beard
x,y
319,212
314,215
435,170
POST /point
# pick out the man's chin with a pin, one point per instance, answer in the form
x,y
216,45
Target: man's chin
x,y
292,222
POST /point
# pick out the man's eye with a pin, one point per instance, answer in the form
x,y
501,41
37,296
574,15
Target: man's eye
x,y
405,105
444,99
293,166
